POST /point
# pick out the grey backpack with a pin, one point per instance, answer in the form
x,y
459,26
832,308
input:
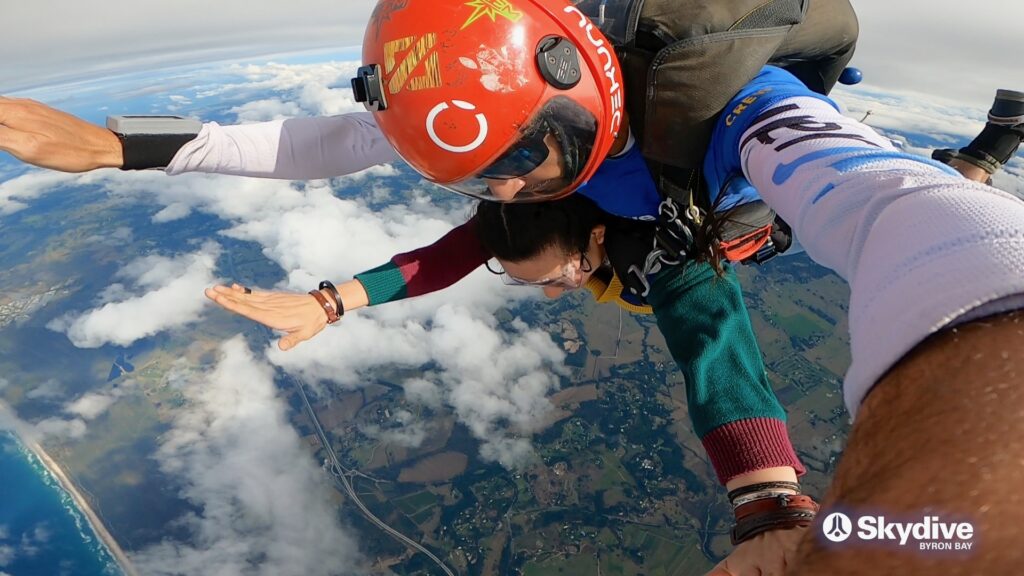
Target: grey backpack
x,y
687,58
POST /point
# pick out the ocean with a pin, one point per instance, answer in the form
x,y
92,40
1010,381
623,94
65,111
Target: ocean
x,y
42,533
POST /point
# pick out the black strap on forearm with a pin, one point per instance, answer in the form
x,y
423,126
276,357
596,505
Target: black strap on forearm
x,y
144,151
996,142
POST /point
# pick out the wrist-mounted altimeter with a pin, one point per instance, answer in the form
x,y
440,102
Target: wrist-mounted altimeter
x,y
152,141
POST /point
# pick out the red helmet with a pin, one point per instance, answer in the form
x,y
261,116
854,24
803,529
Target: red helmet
x,y
498,99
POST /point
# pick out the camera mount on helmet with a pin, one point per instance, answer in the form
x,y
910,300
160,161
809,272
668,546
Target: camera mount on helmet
x,y
368,88
559,62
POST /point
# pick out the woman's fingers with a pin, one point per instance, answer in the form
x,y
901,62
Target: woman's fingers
x,y
298,314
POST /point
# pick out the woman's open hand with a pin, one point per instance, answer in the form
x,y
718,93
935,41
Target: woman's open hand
x,y
299,315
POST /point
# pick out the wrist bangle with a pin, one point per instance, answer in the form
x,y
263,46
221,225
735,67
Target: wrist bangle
x,y
760,486
339,306
760,495
332,316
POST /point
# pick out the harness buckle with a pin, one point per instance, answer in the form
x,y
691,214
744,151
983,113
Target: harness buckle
x,y
765,253
673,241
637,276
673,235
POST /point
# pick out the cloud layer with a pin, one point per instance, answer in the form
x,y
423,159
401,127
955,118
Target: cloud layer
x,y
262,502
161,294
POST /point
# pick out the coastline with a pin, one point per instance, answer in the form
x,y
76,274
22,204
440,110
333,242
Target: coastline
x,y
83,505
10,422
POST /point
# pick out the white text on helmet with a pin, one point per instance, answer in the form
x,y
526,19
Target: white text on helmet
x,y
615,91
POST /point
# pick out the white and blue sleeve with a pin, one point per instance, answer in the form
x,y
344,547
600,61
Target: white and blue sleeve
x,y
922,247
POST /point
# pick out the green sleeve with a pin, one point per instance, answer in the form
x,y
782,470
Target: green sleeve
x,y
708,331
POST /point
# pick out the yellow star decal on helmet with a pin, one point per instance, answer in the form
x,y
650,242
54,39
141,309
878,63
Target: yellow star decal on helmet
x,y
492,9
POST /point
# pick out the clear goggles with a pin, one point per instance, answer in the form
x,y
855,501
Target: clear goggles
x,y
549,155
570,278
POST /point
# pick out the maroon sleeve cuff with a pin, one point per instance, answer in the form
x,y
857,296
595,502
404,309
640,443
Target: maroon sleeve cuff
x,y
745,446
443,263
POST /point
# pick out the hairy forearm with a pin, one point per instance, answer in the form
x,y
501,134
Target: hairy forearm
x,y
941,434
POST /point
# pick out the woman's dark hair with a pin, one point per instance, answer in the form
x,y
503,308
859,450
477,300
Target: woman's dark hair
x,y
519,231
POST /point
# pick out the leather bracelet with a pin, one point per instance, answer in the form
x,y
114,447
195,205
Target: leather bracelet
x,y
767,514
782,502
758,525
332,316
760,486
339,306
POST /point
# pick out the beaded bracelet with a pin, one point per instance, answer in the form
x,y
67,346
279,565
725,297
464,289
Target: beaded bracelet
x,y
760,486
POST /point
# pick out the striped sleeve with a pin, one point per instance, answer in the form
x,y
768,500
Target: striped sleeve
x,y
426,269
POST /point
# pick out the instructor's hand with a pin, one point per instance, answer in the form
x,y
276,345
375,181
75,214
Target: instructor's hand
x,y
46,137
299,315
766,554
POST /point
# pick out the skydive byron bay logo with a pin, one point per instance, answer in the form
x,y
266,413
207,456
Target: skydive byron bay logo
x,y
929,533
838,527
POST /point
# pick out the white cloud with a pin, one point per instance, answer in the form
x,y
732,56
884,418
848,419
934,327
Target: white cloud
x,y
16,192
896,114
310,89
48,389
264,505
909,112
266,110
60,428
422,391
91,405
496,379
171,297
41,533
404,430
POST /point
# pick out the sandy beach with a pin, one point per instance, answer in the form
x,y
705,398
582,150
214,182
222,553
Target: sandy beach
x,y
83,505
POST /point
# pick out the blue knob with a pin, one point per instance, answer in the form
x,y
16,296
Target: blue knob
x,y
851,76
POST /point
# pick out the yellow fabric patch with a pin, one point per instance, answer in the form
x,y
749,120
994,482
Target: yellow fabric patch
x,y
611,291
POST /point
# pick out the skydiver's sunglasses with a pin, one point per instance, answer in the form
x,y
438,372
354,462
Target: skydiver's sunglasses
x,y
523,157
571,276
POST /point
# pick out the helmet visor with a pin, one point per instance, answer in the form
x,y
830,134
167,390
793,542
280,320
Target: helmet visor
x,y
552,150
